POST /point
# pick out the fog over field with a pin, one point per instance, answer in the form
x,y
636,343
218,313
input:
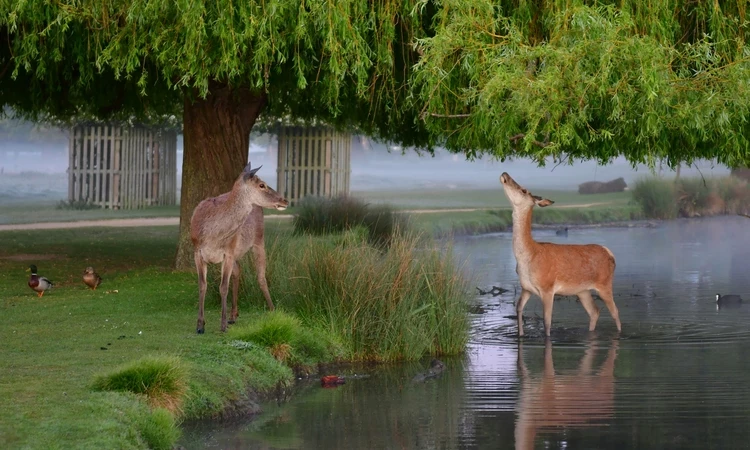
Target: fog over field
x,y
373,166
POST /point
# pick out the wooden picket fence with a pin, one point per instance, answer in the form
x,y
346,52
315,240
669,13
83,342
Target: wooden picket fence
x,y
120,167
313,161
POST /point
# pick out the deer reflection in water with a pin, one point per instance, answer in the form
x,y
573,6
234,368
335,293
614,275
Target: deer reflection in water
x,y
554,401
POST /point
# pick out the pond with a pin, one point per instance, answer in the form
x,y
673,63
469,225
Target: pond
x,y
678,376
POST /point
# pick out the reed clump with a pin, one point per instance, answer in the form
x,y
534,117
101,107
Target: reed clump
x,y
403,302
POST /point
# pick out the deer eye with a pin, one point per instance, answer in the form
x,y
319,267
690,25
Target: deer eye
x,y
524,191
262,186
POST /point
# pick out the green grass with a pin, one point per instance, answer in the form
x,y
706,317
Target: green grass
x,y
54,347
87,368
32,211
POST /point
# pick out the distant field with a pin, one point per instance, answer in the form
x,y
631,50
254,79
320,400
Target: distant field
x,y
33,197
480,198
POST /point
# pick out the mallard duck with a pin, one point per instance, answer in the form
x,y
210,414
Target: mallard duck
x,y
37,283
91,278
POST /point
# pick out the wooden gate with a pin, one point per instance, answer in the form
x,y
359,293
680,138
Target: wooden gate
x,y
313,161
121,167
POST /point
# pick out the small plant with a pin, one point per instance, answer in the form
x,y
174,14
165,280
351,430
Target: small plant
x,y
162,380
78,205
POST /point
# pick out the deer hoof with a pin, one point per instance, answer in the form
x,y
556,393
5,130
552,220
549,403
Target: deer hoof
x,y
199,330
231,322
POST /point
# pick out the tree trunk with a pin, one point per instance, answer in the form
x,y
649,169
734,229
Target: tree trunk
x,y
216,134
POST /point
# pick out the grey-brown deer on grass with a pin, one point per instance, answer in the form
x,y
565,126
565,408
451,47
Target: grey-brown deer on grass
x,y
226,227
546,269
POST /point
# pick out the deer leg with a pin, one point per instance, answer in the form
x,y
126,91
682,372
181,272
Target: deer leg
x,y
549,365
259,255
226,273
235,292
525,295
606,294
202,268
588,304
548,301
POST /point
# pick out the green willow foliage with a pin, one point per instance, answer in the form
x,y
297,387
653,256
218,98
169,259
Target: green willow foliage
x,y
666,79
575,79
343,61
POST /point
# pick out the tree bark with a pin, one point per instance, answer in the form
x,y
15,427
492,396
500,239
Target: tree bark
x,y
216,134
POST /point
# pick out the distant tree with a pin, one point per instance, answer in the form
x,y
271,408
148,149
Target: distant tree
x,y
590,79
216,65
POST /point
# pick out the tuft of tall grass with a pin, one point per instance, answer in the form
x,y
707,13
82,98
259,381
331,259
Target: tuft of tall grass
x,y
400,303
161,379
287,339
656,197
318,215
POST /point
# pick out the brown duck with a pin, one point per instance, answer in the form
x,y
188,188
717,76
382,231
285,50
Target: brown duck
x,y
91,278
37,283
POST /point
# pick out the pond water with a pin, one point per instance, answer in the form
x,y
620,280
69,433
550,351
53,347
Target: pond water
x,y
678,376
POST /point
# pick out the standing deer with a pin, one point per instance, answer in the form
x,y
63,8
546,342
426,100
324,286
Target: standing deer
x,y
223,229
551,402
546,269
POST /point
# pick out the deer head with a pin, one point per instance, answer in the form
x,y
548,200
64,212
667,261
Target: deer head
x,y
520,197
258,191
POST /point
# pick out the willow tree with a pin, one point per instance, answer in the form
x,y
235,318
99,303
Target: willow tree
x,y
216,65
571,79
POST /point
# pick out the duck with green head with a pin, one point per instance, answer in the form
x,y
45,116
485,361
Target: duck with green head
x,y
37,283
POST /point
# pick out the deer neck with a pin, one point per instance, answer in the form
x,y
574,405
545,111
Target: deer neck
x,y
523,244
238,206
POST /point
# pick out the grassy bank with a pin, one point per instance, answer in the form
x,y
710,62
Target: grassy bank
x,y
691,197
118,367
456,223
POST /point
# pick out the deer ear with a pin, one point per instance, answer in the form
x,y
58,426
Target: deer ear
x,y
248,172
542,202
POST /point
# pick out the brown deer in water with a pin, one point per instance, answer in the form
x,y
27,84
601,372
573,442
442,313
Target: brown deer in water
x,y
575,400
546,269
223,229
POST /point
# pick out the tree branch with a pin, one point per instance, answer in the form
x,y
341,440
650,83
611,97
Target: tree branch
x,y
445,116
520,136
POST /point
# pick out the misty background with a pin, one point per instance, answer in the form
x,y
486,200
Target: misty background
x,y
27,147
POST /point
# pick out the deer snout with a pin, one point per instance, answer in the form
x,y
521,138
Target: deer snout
x,y
504,177
282,204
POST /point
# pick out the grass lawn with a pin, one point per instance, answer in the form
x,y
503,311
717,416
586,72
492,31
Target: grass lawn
x,y
337,298
54,346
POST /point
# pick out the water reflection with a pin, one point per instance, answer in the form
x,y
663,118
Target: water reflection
x,y
551,402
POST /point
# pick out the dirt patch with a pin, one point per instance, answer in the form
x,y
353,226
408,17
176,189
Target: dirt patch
x,y
142,222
